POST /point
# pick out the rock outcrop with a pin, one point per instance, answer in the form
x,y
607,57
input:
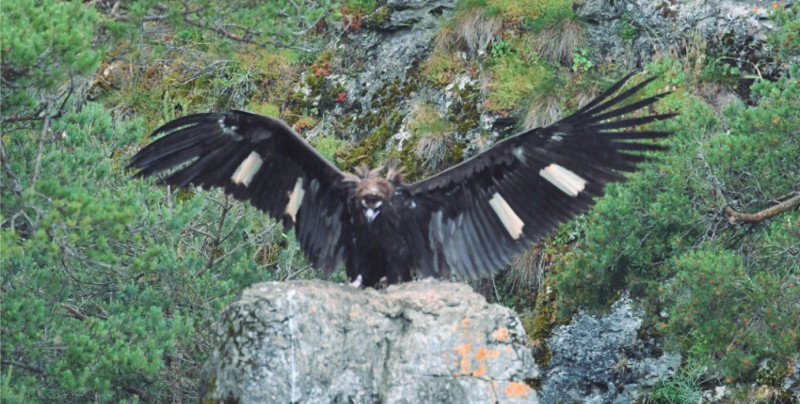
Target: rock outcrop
x,y
375,63
601,359
320,342
736,31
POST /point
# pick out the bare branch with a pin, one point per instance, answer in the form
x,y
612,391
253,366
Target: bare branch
x,y
216,241
38,161
5,163
74,311
25,366
737,217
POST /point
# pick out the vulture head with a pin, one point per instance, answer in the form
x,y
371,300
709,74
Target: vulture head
x,y
371,191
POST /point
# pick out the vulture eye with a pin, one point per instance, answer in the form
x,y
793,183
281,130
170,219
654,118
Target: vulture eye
x,y
371,201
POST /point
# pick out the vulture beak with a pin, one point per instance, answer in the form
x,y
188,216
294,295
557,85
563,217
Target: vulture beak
x,y
371,214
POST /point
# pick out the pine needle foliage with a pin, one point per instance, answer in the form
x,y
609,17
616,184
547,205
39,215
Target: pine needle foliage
x,y
111,285
730,293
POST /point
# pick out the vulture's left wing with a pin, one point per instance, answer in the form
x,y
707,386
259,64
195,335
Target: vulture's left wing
x,y
476,216
258,159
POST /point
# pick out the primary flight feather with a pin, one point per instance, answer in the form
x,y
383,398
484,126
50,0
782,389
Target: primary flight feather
x,y
469,220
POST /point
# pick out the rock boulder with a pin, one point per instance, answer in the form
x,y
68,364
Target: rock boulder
x,y
320,342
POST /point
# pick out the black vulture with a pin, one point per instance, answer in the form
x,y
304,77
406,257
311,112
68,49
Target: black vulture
x,y
469,220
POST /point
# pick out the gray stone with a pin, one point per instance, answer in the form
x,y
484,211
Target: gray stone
x,y
399,34
320,342
734,30
600,359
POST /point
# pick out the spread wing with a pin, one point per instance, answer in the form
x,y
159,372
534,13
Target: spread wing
x,y
475,217
258,159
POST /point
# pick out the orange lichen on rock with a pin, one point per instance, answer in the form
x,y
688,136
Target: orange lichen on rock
x,y
484,354
481,354
517,389
500,334
464,351
481,371
464,354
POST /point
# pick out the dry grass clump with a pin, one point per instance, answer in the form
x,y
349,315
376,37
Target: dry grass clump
x,y
435,136
542,112
558,40
477,30
526,272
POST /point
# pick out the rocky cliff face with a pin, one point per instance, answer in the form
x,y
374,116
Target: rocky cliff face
x,y
370,91
376,67
630,32
372,85
320,342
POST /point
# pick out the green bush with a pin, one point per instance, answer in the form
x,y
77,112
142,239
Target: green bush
x,y
731,291
111,285
785,41
44,44
77,313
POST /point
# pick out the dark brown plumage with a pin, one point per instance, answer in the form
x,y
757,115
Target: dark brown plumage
x,y
469,220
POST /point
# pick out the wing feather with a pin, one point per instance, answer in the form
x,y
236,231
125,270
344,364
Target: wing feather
x,y
592,108
496,250
481,250
544,177
258,159
469,255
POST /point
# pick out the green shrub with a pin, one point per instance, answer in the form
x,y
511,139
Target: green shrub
x,y
682,387
742,317
110,285
80,309
44,44
515,78
785,41
731,291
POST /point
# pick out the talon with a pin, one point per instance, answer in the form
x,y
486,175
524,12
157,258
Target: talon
x,y
356,283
